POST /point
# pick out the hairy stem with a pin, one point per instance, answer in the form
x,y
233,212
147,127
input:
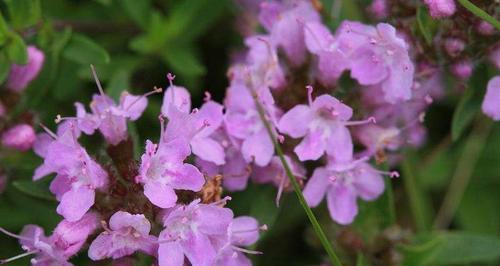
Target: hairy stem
x,y
480,13
461,177
316,226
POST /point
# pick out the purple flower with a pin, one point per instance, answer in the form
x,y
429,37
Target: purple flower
x,y
454,46
322,123
180,98
379,8
127,233
107,116
21,75
190,231
162,170
235,171
341,186
462,69
243,122
485,28
441,8
375,55
19,137
67,239
275,174
78,176
243,232
491,102
285,25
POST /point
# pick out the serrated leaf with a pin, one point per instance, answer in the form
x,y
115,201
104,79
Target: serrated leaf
x,y
16,50
470,102
451,249
23,13
84,50
35,189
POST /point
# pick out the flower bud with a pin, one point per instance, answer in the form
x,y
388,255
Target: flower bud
x,y
378,8
21,75
462,69
441,8
19,137
454,46
485,28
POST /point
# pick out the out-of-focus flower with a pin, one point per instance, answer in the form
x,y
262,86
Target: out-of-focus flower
x,y
485,28
454,46
19,137
379,8
127,233
441,8
491,102
462,69
189,231
495,57
21,75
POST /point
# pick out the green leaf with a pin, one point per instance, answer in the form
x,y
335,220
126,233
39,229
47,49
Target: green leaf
x,y
119,81
451,249
23,13
139,11
184,61
190,18
37,189
84,50
4,67
470,103
424,22
4,30
16,50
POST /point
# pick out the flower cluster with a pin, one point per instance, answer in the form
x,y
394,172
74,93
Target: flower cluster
x,y
133,203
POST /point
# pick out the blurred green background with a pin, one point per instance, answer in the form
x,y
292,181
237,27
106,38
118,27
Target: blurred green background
x,y
133,44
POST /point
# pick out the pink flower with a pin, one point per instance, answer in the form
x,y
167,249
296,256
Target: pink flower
x,y
21,75
379,8
462,69
342,186
284,22
19,137
491,102
190,231
485,28
243,232
162,170
78,176
127,233
66,240
323,124
441,8
375,55
454,46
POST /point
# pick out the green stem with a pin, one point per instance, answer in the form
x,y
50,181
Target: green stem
x,y
316,226
413,192
480,13
389,198
461,177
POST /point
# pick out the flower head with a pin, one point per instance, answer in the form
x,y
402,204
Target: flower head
x,y
441,8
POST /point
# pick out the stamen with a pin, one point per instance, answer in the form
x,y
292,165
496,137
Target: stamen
x,y
370,119
14,235
391,174
154,91
247,250
105,226
309,94
162,126
5,261
97,80
52,134
281,138
428,99
222,201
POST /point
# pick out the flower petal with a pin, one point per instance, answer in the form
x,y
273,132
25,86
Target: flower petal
x,y
342,204
160,194
75,203
296,121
